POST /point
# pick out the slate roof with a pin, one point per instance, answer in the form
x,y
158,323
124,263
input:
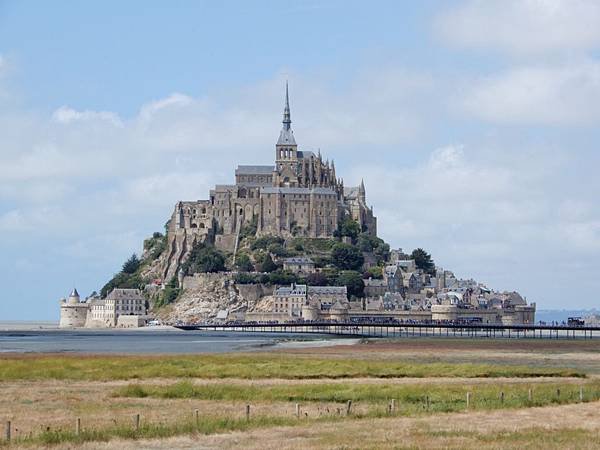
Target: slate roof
x,y
254,170
297,190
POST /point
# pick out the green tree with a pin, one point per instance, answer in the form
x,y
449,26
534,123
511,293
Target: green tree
x,y
131,265
169,294
423,261
353,282
249,229
243,263
375,272
349,227
204,258
122,280
347,257
268,265
317,279
277,249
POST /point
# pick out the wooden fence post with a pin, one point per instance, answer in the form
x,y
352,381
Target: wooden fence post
x,y
427,402
530,395
247,412
349,408
136,422
78,426
298,410
393,405
197,415
7,435
502,397
468,399
558,394
580,393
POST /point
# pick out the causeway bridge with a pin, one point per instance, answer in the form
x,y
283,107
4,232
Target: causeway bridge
x,y
408,330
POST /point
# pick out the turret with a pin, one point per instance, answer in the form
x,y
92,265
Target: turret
x,y
361,192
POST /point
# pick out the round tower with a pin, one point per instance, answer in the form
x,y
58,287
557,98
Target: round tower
x,y
73,312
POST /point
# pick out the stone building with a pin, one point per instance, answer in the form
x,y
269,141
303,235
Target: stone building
x,y
124,308
299,195
109,311
299,265
73,312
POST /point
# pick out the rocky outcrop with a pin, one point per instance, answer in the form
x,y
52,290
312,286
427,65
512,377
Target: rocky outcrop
x,y
205,294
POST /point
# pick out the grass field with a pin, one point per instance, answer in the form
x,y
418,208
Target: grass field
x,y
43,395
255,366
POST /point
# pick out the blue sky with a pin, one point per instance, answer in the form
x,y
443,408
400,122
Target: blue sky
x,y
473,123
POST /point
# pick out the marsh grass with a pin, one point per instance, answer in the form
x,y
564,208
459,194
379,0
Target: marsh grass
x,y
208,425
410,398
106,368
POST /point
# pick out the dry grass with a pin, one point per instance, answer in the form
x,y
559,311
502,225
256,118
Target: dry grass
x,y
555,427
37,392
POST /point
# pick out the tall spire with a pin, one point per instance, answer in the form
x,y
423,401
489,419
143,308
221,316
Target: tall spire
x,y
286,137
287,119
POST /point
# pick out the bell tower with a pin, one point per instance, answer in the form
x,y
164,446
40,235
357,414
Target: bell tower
x,y
286,150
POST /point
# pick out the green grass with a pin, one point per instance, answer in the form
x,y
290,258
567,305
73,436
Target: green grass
x,y
207,425
411,398
248,366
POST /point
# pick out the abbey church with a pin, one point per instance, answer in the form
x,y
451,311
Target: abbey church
x,y
300,195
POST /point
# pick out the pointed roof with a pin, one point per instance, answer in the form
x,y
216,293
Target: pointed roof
x,y
361,188
286,137
74,293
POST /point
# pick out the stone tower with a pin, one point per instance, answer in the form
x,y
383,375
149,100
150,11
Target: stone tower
x,y
286,150
73,312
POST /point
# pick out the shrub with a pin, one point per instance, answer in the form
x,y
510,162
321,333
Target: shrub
x,y
267,264
317,279
249,229
169,293
278,250
353,282
122,280
247,278
282,277
375,272
263,242
349,227
347,257
243,262
204,258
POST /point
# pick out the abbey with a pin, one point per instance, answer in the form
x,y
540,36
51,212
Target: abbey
x,y
300,195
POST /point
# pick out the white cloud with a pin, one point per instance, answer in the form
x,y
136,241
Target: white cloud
x,y
568,94
523,27
66,115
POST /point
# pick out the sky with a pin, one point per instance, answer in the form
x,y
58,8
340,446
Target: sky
x,y
474,125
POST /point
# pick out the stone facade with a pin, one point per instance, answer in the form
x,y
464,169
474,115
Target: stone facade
x,y
73,312
299,265
104,313
300,195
